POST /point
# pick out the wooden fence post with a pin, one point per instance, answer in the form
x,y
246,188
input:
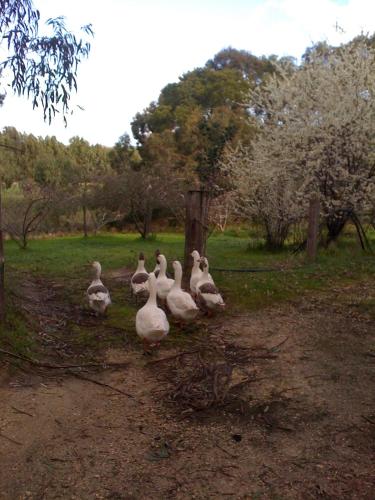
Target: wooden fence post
x,y
313,229
196,226
2,264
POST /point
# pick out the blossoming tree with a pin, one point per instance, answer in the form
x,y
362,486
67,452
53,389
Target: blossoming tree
x,y
316,130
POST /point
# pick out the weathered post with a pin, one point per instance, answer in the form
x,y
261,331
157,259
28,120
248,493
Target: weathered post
x,y
313,229
196,226
2,266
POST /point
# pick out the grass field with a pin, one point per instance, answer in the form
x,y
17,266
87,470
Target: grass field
x,y
64,260
67,258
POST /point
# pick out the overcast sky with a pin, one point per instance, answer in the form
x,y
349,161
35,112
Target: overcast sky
x,y
142,45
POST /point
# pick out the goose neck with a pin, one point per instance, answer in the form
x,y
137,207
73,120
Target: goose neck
x,y
151,301
177,278
163,268
141,267
97,272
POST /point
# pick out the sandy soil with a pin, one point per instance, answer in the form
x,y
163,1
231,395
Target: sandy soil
x,y
295,418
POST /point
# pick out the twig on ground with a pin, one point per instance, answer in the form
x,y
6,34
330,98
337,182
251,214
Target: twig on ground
x,y
78,375
10,439
22,411
60,367
368,419
263,356
226,451
273,348
168,358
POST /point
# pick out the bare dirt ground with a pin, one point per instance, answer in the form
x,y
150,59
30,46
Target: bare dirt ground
x,y
278,404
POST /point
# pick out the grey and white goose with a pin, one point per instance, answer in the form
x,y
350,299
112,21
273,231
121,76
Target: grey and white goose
x,y
139,280
208,294
97,293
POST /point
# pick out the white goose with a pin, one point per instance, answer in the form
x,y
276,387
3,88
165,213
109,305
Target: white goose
x,y
196,272
208,295
156,270
151,322
139,280
97,293
163,283
180,303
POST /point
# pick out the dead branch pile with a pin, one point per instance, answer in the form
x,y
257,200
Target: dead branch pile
x,y
202,378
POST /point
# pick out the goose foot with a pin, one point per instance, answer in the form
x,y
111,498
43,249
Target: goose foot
x,y
146,347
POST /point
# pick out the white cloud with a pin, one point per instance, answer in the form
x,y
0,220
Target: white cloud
x,y
142,45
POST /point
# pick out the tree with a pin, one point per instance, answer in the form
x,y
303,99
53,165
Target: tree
x,y
44,68
316,129
262,193
25,205
151,187
197,117
89,166
120,156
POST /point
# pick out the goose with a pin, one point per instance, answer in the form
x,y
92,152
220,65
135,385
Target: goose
x,y
208,294
139,280
163,283
97,293
151,322
156,270
180,303
196,272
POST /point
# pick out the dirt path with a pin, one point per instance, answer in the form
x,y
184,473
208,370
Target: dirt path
x,y
297,422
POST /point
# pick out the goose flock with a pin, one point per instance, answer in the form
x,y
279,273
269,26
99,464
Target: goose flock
x,y
163,294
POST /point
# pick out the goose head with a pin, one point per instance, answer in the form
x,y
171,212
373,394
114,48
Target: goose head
x,y
195,255
204,263
162,261
177,266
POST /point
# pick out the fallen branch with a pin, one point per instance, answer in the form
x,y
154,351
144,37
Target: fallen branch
x,y
243,382
59,367
278,345
78,375
263,356
22,411
168,358
10,439
368,419
226,451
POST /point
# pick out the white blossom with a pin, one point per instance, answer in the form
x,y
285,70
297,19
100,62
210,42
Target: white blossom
x,y
316,136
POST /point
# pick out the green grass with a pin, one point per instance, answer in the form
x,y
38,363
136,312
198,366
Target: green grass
x,y
65,259
15,335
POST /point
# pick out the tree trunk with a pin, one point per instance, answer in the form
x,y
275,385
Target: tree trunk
x,y
2,267
276,235
196,226
335,225
313,229
147,223
84,211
